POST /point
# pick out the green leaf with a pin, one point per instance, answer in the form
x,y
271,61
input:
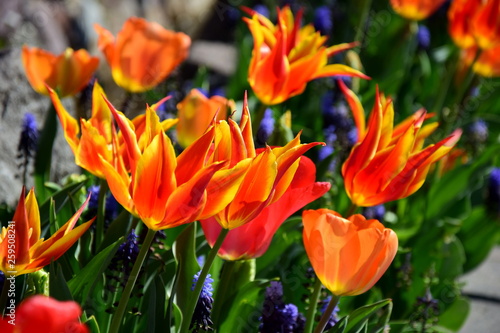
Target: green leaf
x,y
340,326
58,288
43,156
456,182
244,315
60,199
92,324
83,283
156,300
234,275
118,227
455,315
359,317
187,265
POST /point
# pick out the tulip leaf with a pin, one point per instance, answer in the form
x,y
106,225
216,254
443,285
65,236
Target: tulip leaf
x,y
118,227
187,265
456,182
234,275
58,288
83,283
60,199
43,156
340,326
155,300
478,234
92,324
359,317
246,308
455,315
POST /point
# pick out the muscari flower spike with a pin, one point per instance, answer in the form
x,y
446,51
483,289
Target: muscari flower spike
x,y
201,317
124,258
375,212
493,191
28,141
278,316
266,128
423,37
323,20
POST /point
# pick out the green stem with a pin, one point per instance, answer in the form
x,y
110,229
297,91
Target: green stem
x,y
313,303
122,305
351,210
101,212
186,320
260,109
362,22
328,312
3,297
43,155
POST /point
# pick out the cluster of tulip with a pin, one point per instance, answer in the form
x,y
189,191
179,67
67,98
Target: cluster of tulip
x,y
213,173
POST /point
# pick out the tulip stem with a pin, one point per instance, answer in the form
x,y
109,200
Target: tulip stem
x,y
188,315
259,115
328,312
3,297
122,305
313,303
101,212
351,210
360,32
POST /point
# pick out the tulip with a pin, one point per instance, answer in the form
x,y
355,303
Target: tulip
x,y
475,23
45,314
285,57
143,53
96,139
163,190
196,113
253,239
487,63
416,9
68,73
389,163
251,180
348,255
30,252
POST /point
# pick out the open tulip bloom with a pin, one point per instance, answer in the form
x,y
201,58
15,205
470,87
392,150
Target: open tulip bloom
x,y
30,251
98,138
143,53
68,73
160,188
416,9
389,162
287,56
253,180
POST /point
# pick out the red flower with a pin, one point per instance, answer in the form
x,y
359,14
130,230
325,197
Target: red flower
x,y
44,314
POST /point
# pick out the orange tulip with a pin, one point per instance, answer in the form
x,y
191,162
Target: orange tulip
x,y
388,163
348,255
68,73
40,313
475,23
196,112
416,9
22,250
164,191
252,239
487,64
96,139
143,54
285,57
251,181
